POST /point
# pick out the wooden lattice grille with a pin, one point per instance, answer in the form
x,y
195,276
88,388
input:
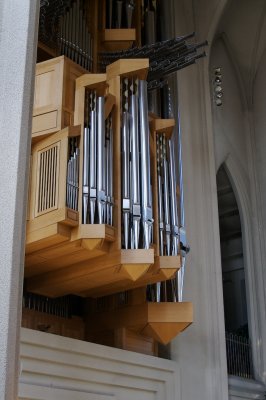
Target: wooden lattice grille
x,y
47,179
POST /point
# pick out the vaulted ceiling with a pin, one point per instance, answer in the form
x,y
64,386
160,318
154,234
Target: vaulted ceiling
x,y
243,29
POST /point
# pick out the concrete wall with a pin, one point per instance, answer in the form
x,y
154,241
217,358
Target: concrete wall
x,y
57,368
212,136
237,135
259,129
18,38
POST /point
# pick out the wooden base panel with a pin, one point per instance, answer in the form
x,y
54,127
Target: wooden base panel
x,y
59,247
161,321
46,237
88,268
70,327
161,269
127,340
113,272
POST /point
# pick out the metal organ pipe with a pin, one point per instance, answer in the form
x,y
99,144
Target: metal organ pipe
x,y
100,160
135,173
74,36
173,199
146,201
97,178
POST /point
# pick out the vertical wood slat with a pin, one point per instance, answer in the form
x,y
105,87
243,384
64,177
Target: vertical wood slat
x,y
51,163
54,174
40,170
47,179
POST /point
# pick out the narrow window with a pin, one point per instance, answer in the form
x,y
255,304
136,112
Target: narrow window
x,y
234,289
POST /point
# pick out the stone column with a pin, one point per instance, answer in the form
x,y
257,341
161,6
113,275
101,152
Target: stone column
x,y
18,38
200,350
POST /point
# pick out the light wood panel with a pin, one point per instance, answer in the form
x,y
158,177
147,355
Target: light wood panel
x,y
107,272
80,244
161,321
48,183
117,39
69,327
54,96
135,66
125,339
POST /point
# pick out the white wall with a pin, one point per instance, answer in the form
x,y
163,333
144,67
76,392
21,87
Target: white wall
x,y
259,121
57,368
207,142
200,350
234,140
229,122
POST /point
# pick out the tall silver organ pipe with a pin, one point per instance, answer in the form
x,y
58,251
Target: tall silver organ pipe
x,y
137,219
146,200
166,199
184,247
160,195
101,199
173,198
97,178
125,140
125,177
72,183
135,173
85,193
109,171
92,159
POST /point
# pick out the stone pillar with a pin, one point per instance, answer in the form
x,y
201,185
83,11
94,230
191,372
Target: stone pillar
x,y
18,38
200,350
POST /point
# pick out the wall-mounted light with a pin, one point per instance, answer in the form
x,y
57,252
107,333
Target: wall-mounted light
x,y
217,87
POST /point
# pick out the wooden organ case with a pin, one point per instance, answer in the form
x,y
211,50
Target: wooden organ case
x,y
102,253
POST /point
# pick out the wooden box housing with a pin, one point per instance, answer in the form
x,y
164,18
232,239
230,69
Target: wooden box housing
x,y
54,96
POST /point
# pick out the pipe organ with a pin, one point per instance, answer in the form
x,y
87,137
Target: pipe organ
x,y
104,223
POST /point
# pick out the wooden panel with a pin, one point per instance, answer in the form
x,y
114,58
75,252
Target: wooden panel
x,y
45,122
48,182
125,339
47,179
161,321
60,215
135,67
47,79
114,89
117,39
82,277
54,95
110,35
46,237
170,312
68,327
163,126
133,341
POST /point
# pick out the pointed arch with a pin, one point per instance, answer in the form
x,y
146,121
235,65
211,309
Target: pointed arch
x,y
239,183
